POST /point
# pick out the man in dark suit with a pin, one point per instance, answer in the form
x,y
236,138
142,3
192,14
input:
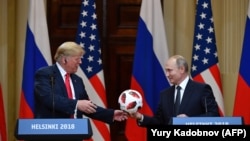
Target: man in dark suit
x,y
51,96
195,100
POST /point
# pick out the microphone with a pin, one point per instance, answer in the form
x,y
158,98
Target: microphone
x,y
52,80
206,106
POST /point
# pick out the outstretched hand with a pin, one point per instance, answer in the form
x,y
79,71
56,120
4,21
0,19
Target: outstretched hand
x,y
136,115
86,106
120,115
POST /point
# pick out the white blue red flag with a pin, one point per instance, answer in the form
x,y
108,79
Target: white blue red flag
x,y
242,96
37,54
151,53
3,133
91,69
205,62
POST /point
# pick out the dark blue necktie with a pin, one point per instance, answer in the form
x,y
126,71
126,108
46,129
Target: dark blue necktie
x,y
177,100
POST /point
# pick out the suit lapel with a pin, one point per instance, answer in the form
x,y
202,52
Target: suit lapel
x,y
59,80
186,95
75,85
168,100
172,98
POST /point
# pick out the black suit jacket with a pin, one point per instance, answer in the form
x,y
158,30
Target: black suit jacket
x,y
51,100
198,100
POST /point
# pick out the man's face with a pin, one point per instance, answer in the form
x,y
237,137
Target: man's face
x,y
72,63
173,73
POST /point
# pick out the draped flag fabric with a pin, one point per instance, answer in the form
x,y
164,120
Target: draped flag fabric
x,y
3,133
205,62
242,96
151,52
91,69
37,54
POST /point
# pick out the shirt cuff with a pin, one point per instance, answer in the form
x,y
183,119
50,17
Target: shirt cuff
x,y
142,117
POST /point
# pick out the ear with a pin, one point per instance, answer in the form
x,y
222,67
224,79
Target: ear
x,y
64,60
182,68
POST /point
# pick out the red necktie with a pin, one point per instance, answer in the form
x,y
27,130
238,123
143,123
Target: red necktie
x,y
67,84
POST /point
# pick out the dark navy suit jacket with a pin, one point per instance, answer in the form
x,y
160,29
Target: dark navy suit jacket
x,y
51,100
198,100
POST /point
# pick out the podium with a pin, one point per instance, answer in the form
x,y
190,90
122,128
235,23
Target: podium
x,y
207,121
53,129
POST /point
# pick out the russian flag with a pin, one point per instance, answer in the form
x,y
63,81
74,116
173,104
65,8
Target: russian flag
x,y
37,54
3,130
151,52
242,96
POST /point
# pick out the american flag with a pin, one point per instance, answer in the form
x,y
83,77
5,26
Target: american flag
x,y
205,63
91,69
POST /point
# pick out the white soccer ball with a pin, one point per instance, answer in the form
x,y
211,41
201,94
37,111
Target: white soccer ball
x,y
130,101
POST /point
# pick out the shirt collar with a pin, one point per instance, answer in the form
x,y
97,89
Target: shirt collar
x,y
62,71
183,84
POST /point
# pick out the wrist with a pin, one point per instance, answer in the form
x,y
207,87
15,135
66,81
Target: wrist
x,y
139,116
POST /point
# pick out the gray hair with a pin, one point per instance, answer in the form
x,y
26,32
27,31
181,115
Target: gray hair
x,y
181,62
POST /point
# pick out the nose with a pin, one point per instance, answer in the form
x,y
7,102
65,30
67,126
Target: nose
x,y
80,61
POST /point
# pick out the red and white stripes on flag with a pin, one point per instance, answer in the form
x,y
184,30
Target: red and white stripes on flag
x,y
205,64
91,70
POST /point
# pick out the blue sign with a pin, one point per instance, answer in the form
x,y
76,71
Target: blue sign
x,y
37,128
207,121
